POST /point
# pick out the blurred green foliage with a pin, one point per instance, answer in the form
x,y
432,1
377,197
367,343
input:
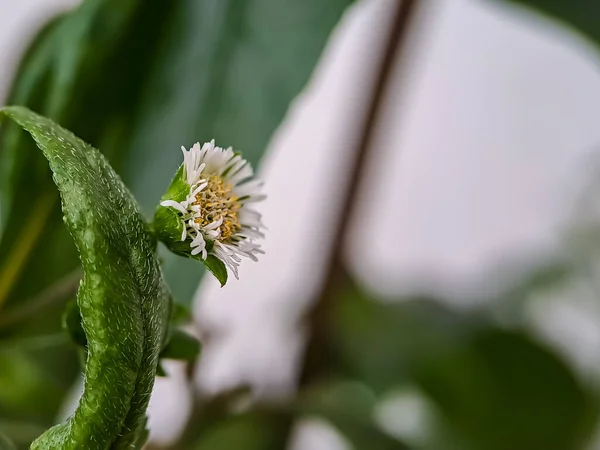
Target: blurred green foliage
x,y
496,388
250,431
582,15
6,443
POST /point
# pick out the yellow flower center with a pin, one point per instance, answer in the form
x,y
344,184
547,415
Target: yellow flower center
x,y
217,201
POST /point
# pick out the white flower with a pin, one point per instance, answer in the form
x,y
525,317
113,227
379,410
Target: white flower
x,y
216,209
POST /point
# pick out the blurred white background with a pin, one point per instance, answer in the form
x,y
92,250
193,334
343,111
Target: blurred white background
x,y
480,159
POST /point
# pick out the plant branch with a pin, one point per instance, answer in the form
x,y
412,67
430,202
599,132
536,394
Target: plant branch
x,y
318,318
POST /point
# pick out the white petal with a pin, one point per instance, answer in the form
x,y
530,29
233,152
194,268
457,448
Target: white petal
x,y
255,198
213,225
173,204
184,233
249,188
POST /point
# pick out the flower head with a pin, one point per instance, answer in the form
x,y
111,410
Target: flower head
x,y
211,198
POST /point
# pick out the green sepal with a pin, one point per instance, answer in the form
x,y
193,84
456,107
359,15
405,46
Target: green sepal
x,y
167,223
216,267
168,228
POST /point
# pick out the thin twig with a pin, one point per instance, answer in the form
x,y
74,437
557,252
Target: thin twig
x,y
318,318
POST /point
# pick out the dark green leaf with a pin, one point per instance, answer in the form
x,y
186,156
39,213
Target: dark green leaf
x,y
85,72
160,371
496,389
123,301
216,267
349,407
502,391
582,15
21,433
182,346
180,314
23,384
249,431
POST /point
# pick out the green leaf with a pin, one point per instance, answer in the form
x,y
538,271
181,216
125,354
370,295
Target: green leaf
x,y
502,390
216,267
496,389
258,430
22,384
21,433
160,371
350,408
182,346
582,15
123,300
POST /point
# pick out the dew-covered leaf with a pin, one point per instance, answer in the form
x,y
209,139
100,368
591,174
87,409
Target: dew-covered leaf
x,y
123,300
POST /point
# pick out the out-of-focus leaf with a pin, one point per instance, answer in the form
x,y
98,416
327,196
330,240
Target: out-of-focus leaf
x,y
44,367
249,431
349,407
24,385
20,433
6,443
582,15
182,346
160,370
180,314
497,389
502,391
379,344
84,73
123,300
